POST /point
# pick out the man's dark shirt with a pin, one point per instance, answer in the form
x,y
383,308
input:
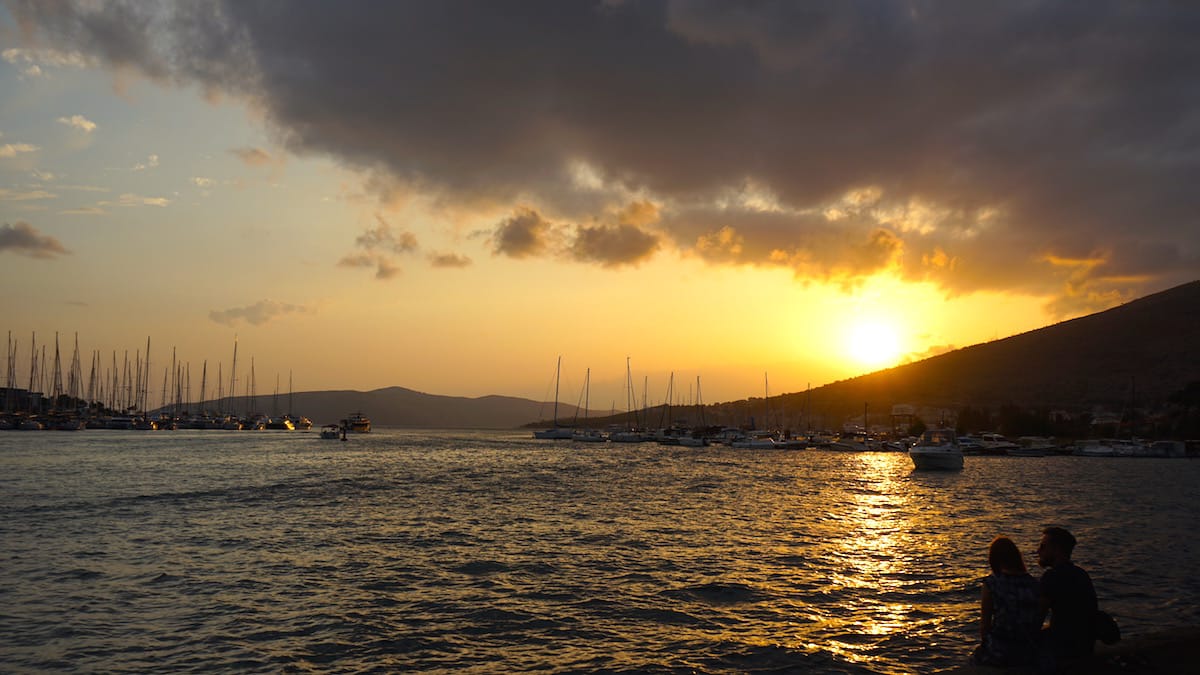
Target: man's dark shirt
x,y
1072,599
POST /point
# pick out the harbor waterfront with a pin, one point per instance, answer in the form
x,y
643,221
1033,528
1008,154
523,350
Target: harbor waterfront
x,y
494,552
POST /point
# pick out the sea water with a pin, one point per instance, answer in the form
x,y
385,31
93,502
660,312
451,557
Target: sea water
x,y
491,552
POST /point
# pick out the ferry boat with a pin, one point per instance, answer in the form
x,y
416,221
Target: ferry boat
x,y
358,423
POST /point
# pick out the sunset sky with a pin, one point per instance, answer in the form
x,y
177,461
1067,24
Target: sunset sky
x,y
447,196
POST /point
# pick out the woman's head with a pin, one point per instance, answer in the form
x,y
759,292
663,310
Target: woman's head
x,y
1003,555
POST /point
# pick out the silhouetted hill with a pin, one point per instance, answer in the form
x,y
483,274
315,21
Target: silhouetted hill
x,y
1144,350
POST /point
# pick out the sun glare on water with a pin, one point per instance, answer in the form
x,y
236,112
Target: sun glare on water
x,y
873,343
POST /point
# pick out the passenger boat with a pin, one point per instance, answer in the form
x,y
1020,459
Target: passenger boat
x,y
937,449
331,432
358,423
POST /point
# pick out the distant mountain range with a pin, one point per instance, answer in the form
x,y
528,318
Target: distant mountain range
x,y
400,407
1141,351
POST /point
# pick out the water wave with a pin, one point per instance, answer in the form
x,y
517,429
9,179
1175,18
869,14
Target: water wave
x,y
409,551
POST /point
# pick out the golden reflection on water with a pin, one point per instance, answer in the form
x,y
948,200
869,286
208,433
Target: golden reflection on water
x,y
870,549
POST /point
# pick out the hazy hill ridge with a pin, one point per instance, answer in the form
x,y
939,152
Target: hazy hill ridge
x,y
400,407
1148,348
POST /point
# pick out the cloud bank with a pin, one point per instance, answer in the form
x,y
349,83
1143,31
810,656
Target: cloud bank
x,y
1036,147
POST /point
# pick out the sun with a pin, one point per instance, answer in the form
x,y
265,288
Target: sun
x,y
873,343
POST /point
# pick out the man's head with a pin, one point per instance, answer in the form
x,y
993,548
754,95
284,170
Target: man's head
x,y
1056,547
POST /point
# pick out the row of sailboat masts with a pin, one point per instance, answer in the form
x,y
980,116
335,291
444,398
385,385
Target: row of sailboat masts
x,y
633,419
127,386
124,385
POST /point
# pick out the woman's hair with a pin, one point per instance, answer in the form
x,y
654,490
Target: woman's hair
x,y
1003,554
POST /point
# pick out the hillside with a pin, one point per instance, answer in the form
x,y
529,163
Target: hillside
x,y
1144,350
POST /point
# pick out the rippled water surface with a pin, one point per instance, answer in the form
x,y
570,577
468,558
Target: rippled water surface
x,y
488,552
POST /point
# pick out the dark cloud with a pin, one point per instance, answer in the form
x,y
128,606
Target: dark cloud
x,y
612,246
521,235
995,140
257,314
24,239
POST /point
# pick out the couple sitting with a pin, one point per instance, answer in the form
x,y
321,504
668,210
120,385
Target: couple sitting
x,y
1014,605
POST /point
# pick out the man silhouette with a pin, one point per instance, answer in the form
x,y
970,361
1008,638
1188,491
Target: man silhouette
x,y
1068,596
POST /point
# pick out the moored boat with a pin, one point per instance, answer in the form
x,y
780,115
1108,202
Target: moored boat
x,y
358,423
937,449
555,432
588,436
1032,446
280,424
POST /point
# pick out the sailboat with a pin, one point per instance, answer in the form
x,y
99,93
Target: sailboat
x,y
556,432
630,434
587,435
696,439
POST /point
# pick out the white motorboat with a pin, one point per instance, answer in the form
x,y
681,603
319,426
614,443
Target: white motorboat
x,y
995,444
331,432
937,449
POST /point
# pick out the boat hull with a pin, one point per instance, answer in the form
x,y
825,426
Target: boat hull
x,y
555,434
936,459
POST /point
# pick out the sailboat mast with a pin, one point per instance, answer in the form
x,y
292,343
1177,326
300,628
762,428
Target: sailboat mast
x,y
203,384
32,362
557,375
145,383
630,403
766,401
233,376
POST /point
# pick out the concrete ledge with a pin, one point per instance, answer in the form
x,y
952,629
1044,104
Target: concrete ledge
x,y
1169,652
